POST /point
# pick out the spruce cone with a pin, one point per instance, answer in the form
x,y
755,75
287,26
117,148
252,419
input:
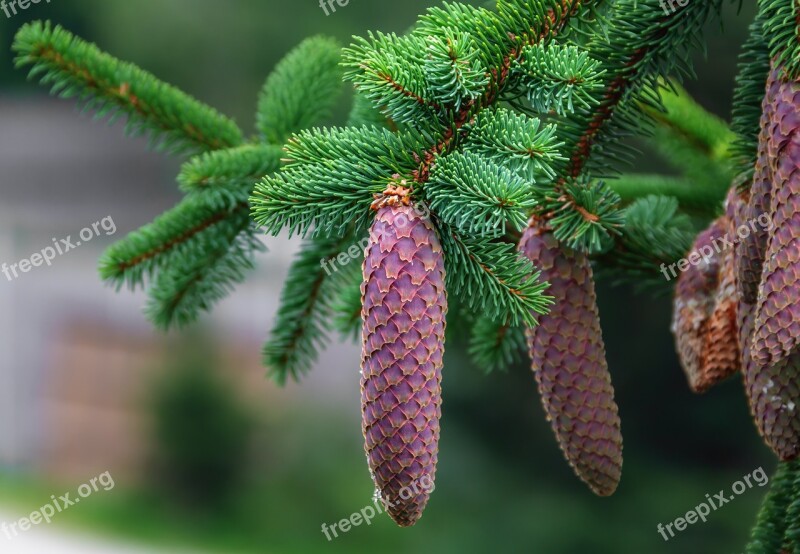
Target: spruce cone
x,y
750,256
704,314
404,308
770,359
777,327
569,362
773,391
693,304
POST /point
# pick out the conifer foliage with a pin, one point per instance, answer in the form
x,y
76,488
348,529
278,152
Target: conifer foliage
x,y
194,254
482,166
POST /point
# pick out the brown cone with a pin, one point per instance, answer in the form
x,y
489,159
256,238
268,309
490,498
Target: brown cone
x,y
704,316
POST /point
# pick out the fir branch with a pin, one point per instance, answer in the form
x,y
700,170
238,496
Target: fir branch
x,y
198,278
584,215
767,536
516,141
478,197
538,22
301,91
492,278
751,82
656,234
382,68
454,74
139,255
559,78
492,35
643,46
225,178
781,27
501,35
331,178
496,344
299,328
175,121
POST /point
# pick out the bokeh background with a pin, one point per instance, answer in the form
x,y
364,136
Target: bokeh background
x,y
208,455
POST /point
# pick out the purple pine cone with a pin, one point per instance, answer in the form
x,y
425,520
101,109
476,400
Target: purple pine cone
x,y
772,392
404,308
750,256
569,362
777,327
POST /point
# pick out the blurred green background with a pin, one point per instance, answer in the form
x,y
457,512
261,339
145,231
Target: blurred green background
x,y
219,470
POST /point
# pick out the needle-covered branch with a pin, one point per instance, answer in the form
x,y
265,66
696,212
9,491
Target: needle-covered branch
x,y
301,91
496,344
302,323
194,254
72,67
478,170
225,178
472,194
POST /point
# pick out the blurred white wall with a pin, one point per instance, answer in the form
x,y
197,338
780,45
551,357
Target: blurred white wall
x,y
60,171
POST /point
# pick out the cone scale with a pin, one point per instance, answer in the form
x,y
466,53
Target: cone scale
x,y
404,308
721,359
569,363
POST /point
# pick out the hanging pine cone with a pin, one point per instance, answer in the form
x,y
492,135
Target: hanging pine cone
x,y
404,308
772,391
704,312
750,256
569,362
777,327
773,387
694,302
